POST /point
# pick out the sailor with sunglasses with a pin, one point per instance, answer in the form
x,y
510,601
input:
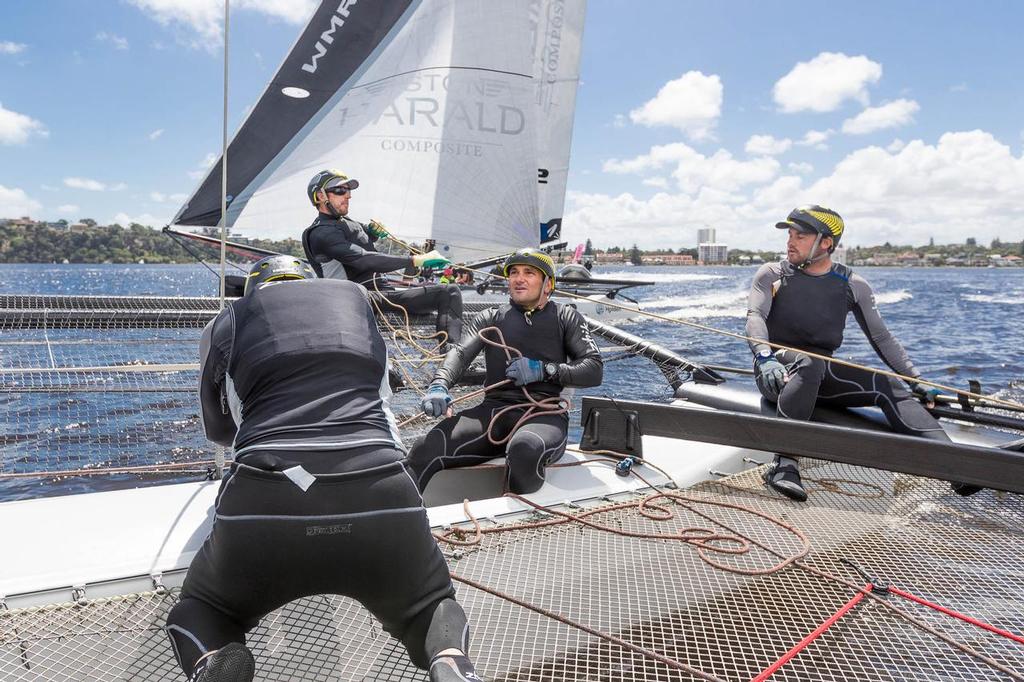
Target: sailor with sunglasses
x,y
339,247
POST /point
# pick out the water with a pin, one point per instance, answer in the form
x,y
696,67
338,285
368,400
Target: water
x,y
956,324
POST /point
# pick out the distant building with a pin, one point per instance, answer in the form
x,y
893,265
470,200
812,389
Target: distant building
x,y
668,259
23,221
603,257
839,255
712,254
706,235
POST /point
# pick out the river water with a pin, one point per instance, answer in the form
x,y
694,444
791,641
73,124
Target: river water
x,y
956,324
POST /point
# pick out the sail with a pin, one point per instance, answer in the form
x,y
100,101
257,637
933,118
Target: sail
x,y
558,37
432,105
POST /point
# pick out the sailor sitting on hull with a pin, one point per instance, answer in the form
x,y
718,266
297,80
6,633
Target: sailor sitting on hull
x,y
802,302
339,247
554,350
318,500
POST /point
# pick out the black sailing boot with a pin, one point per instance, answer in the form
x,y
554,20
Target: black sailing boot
x,y
453,668
783,475
231,663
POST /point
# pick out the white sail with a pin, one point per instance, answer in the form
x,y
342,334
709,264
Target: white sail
x,y
444,110
558,36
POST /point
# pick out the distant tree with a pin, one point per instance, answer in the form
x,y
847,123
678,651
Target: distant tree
x,y
1022,247
635,257
996,244
589,248
88,222
971,241
931,241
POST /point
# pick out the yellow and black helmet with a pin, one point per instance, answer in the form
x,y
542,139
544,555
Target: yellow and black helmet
x,y
277,268
325,180
817,220
534,258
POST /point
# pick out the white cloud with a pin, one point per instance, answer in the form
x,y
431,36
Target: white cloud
x,y
896,145
692,103
158,197
656,181
8,47
124,220
816,139
203,166
93,185
803,168
619,121
117,41
17,128
695,171
825,82
15,203
205,18
959,87
891,115
967,184
766,145
156,134
68,209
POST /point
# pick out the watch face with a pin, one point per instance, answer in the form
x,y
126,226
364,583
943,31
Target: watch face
x,y
551,369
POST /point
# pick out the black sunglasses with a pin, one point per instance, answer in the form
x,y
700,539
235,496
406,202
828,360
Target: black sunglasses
x,y
340,191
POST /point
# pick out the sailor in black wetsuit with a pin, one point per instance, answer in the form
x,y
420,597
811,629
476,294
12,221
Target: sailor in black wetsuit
x,y
802,302
557,351
339,247
318,500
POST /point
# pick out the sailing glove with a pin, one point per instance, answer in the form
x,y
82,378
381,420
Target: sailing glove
x,y
433,260
772,374
436,401
525,371
926,394
376,230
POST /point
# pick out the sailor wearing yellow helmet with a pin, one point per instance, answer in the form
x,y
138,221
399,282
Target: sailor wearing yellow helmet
x,y
554,350
339,247
802,302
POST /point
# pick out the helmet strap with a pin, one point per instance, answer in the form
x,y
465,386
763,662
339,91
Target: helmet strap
x,y
811,257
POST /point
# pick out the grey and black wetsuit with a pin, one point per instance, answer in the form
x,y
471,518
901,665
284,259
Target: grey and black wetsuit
x,y
318,500
342,248
555,334
789,307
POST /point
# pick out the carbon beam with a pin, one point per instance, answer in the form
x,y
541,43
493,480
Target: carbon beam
x,y
987,467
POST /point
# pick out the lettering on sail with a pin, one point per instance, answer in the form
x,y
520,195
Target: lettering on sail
x,y
414,113
327,37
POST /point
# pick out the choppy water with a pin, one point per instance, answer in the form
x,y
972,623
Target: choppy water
x,y
956,324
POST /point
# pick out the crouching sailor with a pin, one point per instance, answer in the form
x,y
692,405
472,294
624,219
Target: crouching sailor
x,y
339,247
802,302
318,500
555,350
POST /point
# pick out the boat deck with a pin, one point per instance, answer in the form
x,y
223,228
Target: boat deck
x,y
619,594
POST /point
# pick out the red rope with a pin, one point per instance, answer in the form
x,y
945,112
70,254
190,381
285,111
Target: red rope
x,y
956,614
803,643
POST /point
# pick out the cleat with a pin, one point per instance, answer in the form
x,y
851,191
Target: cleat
x,y
783,476
230,663
457,668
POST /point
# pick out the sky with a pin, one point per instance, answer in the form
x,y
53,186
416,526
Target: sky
x,y
903,116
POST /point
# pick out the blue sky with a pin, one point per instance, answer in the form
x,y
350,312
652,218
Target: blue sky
x,y
906,117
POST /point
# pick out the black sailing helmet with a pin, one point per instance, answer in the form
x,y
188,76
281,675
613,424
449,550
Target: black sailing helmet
x,y
816,220
325,180
277,268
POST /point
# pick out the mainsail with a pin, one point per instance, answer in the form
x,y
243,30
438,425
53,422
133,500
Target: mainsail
x,y
443,109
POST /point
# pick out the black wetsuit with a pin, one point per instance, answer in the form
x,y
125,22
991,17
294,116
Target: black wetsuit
x,y
555,334
318,499
342,248
789,307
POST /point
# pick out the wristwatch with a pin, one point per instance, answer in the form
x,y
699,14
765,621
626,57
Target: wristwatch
x,y
550,371
763,355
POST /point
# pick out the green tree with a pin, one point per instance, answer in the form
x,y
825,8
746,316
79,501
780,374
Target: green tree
x,y
589,248
971,241
635,257
88,222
